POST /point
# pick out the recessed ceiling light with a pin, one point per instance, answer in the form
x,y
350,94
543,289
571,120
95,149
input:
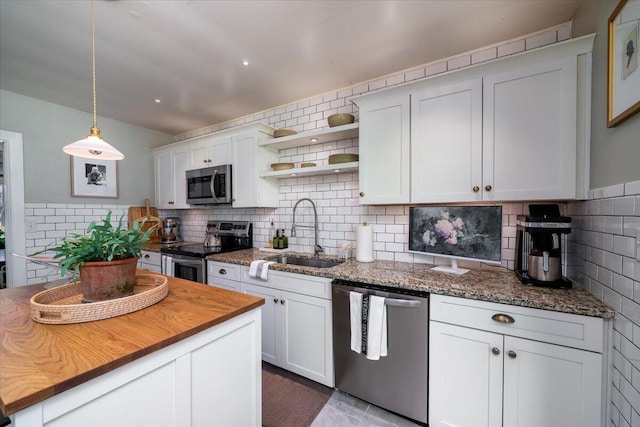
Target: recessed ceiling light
x,y
245,62
157,100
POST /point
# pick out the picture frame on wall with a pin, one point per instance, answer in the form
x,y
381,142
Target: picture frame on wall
x,y
94,178
623,63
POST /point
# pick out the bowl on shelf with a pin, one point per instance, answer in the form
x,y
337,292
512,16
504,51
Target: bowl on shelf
x,y
340,119
279,133
342,158
281,166
307,165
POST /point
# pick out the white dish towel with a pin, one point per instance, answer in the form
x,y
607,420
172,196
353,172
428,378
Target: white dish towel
x,y
167,266
260,269
377,328
355,314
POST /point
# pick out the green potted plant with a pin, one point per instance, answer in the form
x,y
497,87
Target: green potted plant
x,y
105,258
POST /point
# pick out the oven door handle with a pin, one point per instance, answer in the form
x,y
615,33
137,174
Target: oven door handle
x,y
187,262
393,302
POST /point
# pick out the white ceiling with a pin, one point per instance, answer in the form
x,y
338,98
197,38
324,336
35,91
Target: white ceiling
x,y
188,53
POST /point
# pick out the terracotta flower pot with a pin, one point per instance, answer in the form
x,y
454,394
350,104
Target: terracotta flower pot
x,y
105,280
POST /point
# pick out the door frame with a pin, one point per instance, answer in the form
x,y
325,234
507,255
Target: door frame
x,y
13,157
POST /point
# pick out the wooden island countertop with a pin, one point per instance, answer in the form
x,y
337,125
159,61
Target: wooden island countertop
x,y
38,361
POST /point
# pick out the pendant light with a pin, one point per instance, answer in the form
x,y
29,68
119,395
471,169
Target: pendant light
x,y
93,146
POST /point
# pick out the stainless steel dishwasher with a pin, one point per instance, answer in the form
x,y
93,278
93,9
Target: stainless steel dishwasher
x,y
399,381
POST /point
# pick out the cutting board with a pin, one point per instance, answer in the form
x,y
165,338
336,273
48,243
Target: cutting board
x,y
150,215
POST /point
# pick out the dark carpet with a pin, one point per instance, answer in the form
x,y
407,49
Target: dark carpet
x,y
289,400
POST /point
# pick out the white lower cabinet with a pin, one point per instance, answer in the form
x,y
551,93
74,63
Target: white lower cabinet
x,y
150,260
296,325
212,378
501,377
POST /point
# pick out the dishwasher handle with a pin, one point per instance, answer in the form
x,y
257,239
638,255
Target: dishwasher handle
x,y
393,302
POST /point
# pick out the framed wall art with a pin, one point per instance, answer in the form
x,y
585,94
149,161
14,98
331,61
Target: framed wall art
x,y
94,178
623,71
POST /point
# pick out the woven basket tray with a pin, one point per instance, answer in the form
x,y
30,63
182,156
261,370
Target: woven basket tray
x,y
63,304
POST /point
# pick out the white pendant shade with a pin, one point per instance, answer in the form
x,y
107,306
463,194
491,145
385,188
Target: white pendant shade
x,y
93,147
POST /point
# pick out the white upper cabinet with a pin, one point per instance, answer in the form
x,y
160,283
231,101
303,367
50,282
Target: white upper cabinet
x,y
249,189
384,148
206,152
446,143
511,129
171,164
529,139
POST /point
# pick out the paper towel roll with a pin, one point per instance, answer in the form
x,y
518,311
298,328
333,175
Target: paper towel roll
x,y
364,243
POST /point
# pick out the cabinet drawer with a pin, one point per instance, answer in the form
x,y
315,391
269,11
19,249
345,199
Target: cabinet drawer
x,y
299,283
542,325
223,270
149,257
151,267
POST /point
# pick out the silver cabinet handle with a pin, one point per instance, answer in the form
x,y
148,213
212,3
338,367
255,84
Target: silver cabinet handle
x,y
512,354
495,350
275,300
146,255
282,301
504,318
222,271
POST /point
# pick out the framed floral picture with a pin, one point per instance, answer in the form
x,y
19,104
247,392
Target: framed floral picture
x,y
623,72
94,178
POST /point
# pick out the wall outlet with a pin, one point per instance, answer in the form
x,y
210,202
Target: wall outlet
x,y
31,225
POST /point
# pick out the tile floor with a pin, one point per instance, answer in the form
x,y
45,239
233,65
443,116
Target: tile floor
x,y
342,410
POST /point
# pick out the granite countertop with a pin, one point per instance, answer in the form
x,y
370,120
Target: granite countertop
x,y
493,285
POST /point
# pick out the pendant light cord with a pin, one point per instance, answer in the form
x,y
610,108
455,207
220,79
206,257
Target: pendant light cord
x,y
93,63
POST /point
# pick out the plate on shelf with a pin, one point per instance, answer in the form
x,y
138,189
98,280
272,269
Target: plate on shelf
x,y
342,158
281,166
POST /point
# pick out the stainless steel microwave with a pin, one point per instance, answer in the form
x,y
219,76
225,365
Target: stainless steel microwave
x,y
209,186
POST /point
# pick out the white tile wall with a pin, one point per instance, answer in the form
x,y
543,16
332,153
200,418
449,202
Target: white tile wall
x,y
602,259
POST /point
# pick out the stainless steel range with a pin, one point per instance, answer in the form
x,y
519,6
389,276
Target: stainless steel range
x,y
188,261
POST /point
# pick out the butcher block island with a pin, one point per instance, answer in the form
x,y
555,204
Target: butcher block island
x,y
191,359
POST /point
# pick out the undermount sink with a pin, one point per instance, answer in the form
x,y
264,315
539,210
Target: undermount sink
x,y
306,262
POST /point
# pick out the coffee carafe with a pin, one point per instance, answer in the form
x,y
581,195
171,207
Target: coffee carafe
x,y
541,246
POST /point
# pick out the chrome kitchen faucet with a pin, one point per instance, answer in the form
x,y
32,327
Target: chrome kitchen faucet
x,y
317,248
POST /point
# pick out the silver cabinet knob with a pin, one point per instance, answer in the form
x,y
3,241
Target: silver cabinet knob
x,y
512,354
488,187
503,318
495,350
275,300
361,194
282,301
476,188
222,271
146,255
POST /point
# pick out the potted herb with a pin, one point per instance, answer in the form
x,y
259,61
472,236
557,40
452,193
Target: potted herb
x,y
105,257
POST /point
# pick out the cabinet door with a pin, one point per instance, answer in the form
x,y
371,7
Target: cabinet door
x,y
164,178
384,149
270,321
446,143
550,385
465,377
529,141
180,161
307,337
249,190
199,154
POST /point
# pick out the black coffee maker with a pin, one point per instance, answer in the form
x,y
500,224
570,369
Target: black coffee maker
x,y
541,246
